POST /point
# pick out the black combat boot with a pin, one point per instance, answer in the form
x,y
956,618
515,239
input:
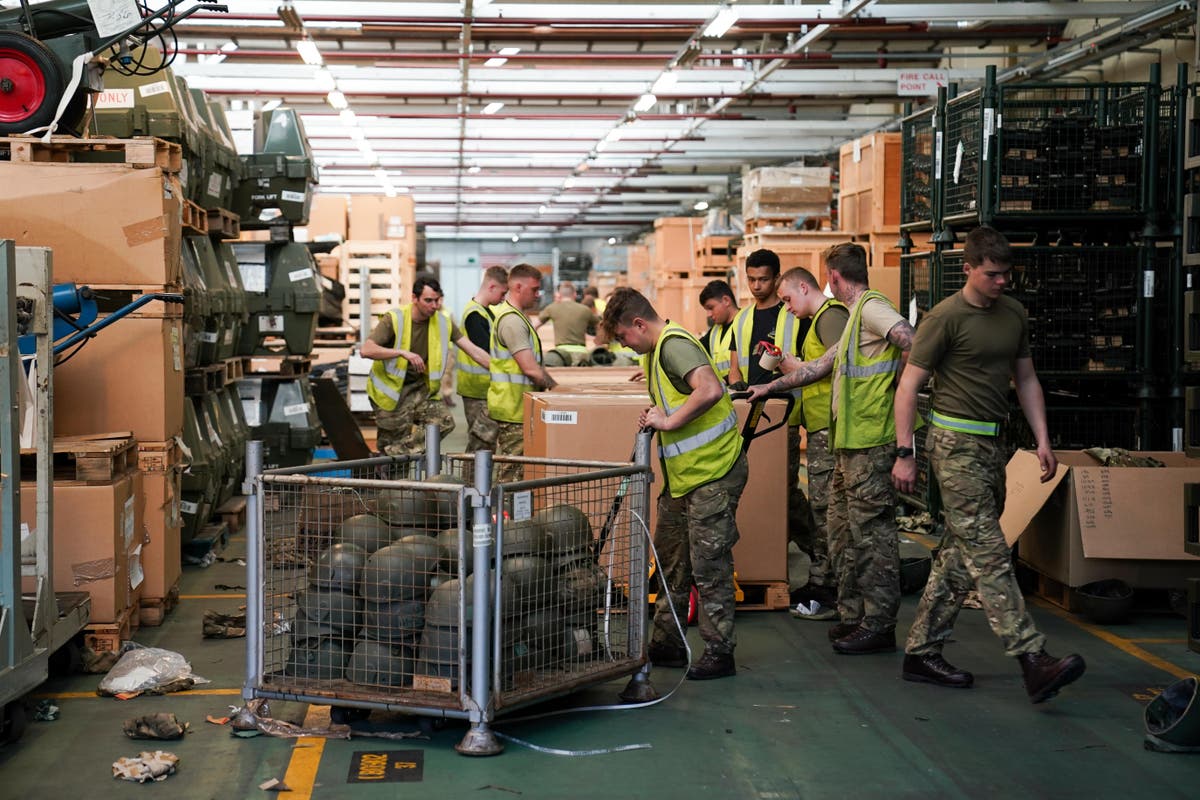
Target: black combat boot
x,y
712,665
842,629
1045,675
934,669
861,642
664,655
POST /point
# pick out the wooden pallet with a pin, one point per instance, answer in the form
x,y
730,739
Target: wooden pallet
x,y
763,595
153,610
287,366
233,513
113,296
1054,591
390,272
785,224
98,458
106,637
212,538
158,456
141,151
224,224
236,368
195,218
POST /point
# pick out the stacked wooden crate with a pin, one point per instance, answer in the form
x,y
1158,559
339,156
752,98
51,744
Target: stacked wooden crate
x,y
128,379
776,199
869,206
683,261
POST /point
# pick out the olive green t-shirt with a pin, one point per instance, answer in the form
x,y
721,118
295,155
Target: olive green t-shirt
x,y
513,334
971,352
831,324
571,320
679,356
382,335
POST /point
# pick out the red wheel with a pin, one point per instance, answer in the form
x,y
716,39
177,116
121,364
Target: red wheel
x,y
693,606
31,85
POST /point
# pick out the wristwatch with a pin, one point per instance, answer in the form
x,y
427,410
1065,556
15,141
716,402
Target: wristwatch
x,y
905,452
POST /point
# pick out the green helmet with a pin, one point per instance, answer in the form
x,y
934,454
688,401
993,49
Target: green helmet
x,y
366,531
338,568
318,659
533,582
380,664
400,571
448,539
397,621
441,508
402,508
566,528
340,610
521,538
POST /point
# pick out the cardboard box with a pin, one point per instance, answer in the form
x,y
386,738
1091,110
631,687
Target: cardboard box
x,y
376,217
1092,522
163,522
108,224
602,427
129,378
328,218
787,192
574,377
96,541
886,280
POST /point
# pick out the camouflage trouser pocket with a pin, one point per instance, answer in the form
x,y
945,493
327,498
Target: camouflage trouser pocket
x,y
711,526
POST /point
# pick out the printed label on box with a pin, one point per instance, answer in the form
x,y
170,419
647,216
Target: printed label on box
x,y
857,151
214,185
113,16
115,98
207,336
270,323
560,417
297,410
176,351
300,274
252,410
254,277
189,508
291,197
229,336
151,89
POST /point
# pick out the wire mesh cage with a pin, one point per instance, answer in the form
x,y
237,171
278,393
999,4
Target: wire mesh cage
x,y
961,160
917,169
367,586
1075,424
916,283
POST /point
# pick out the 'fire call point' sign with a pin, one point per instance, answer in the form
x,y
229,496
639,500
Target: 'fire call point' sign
x,y
921,82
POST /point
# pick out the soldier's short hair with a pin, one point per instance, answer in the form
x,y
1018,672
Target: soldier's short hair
x,y
497,274
591,291
985,243
525,271
624,307
799,275
849,260
715,290
764,258
424,280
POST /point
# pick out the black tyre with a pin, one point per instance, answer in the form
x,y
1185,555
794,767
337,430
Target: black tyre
x,y
341,715
31,85
16,717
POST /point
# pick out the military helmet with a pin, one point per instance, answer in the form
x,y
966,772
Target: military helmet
x,y
402,508
366,531
380,664
521,538
442,608
448,539
318,659
304,629
441,508
330,607
399,620
566,528
400,571
338,567
532,580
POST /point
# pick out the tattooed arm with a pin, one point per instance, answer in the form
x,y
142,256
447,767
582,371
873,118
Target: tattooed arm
x,y
805,373
901,335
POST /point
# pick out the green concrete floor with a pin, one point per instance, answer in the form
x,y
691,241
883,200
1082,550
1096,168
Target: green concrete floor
x,y
798,721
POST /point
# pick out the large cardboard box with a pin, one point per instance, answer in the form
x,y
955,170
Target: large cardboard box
x,y
129,378
163,521
602,427
375,217
107,223
1092,522
328,219
96,541
576,377
886,280
787,192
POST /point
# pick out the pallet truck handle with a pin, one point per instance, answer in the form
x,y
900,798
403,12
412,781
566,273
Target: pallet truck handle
x,y
749,429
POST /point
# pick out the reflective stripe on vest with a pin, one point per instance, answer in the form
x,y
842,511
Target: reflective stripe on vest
x,y
960,425
386,380
720,346
785,338
866,387
506,392
472,378
705,448
816,395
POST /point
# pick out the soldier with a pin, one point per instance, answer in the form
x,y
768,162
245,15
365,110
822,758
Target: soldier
x,y
972,343
474,378
863,540
410,346
768,319
705,472
516,364
571,320
802,294
718,300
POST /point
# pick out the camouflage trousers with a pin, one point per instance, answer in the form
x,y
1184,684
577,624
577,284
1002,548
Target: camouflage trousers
x,y
863,541
510,441
820,476
401,431
694,538
801,525
481,429
970,471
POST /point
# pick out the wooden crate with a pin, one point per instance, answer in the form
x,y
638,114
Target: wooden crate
x,y
673,243
870,185
152,611
678,299
883,252
106,637
762,595
390,273
607,282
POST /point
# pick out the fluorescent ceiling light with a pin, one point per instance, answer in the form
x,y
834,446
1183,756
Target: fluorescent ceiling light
x,y
502,57
601,145
612,240
403,189
613,135
492,108
645,102
516,238
348,118
308,51
337,100
381,174
720,24
229,47
473,169
324,80
569,183
701,206
665,82
365,148
357,134
541,209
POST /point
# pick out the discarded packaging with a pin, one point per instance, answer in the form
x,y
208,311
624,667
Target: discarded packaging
x,y
163,725
146,766
150,670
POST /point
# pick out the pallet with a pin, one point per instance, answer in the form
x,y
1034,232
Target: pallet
x,y
1053,591
762,595
153,610
107,637
111,297
212,538
194,218
233,513
236,368
286,367
202,380
224,224
141,152
158,456
785,224
88,459
391,271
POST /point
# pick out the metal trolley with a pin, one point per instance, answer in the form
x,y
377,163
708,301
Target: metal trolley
x,y
364,583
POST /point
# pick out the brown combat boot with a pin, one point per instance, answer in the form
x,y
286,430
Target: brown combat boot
x,y
841,629
712,665
1045,675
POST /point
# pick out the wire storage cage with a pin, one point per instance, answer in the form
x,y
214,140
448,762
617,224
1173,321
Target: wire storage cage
x,y
917,169
964,138
368,583
916,283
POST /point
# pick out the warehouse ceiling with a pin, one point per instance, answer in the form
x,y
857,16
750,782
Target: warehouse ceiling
x,y
594,118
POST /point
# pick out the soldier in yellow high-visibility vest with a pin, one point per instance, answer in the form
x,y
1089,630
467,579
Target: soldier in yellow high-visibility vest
x,y
705,472
802,295
474,378
516,366
863,538
717,299
411,349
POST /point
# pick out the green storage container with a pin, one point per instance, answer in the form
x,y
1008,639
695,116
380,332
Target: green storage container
x,y
238,312
197,311
219,337
282,297
224,434
283,414
278,178
198,487
222,167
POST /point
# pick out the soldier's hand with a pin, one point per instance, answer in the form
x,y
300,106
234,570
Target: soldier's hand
x,y
757,391
1048,461
789,363
904,475
653,418
448,397
415,362
640,375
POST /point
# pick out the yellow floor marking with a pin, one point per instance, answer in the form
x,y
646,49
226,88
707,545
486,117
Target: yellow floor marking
x,y
226,596
301,774
1157,641
93,695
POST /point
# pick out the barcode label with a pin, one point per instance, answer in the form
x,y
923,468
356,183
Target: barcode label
x,y
300,274
270,323
292,197
295,411
189,508
560,417
151,89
